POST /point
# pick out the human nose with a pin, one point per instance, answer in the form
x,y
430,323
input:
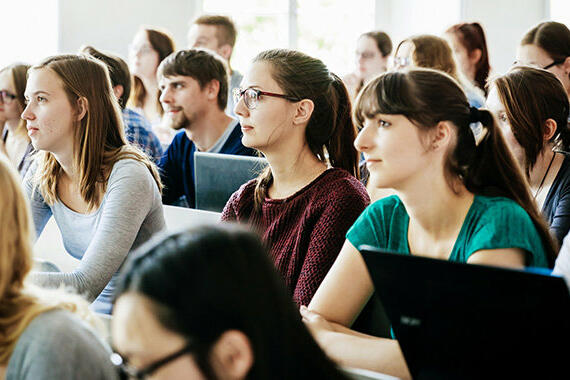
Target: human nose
x,y
363,141
165,96
28,114
240,107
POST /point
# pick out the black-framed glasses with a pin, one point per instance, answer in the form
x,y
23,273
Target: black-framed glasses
x,y
251,96
555,63
7,97
128,372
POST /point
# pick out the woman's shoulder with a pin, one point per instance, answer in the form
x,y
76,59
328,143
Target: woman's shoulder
x,y
493,207
58,342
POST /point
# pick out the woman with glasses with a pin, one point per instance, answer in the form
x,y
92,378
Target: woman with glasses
x,y
531,107
44,333
433,52
15,141
297,113
103,194
372,51
470,48
207,304
547,46
460,196
148,49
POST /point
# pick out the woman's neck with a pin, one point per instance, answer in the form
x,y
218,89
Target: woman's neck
x,y
292,172
544,162
12,125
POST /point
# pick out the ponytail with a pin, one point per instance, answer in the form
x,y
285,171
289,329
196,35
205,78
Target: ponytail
x,y
493,171
330,132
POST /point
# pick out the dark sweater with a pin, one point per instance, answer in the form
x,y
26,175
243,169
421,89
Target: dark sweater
x,y
305,231
556,207
177,165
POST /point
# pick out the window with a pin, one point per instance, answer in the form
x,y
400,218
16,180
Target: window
x,y
560,11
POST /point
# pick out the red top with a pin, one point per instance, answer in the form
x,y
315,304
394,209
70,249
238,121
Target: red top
x,y
305,231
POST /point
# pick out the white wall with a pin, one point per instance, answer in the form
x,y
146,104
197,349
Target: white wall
x,y
111,24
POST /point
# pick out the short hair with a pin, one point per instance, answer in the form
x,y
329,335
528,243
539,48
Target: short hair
x,y
200,64
225,29
118,71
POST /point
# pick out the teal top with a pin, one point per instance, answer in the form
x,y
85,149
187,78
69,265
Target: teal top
x,y
491,223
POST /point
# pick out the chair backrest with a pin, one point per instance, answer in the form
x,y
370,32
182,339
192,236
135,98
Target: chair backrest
x,y
218,176
363,374
177,218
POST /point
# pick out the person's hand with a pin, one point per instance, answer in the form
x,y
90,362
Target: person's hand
x,y
317,325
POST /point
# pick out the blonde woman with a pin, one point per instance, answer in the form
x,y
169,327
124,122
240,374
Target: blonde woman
x,y
103,193
15,142
43,334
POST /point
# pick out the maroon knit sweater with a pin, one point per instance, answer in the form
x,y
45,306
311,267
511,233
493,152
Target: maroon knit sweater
x,y
305,231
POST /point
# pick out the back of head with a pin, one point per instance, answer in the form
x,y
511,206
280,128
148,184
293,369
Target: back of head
x,y
382,40
433,52
472,37
202,65
212,279
553,37
330,128
530,97
15,234
225,29
479,159
118,71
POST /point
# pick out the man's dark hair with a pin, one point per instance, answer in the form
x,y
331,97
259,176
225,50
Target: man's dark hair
x,y
202,65
118,71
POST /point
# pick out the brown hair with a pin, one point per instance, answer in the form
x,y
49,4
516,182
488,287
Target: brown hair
x,y
118,71
487,168
19,73
553,37
472,37
99,140
200,64
21,303
225,29
530,97
432,52
163,44
382,40
330,128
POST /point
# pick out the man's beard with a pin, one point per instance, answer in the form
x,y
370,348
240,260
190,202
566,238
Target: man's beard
x,y
179,123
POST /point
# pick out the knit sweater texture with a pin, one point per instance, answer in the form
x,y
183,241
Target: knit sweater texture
x,y
304,232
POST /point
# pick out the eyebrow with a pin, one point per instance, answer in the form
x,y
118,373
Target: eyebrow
x,y
39,92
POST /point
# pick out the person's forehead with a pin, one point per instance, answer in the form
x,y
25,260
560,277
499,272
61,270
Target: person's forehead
x,y
204,31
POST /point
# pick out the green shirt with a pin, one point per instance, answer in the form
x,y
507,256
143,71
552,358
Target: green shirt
x,y
491,223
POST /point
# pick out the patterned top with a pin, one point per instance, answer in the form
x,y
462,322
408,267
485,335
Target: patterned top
x,y
139,133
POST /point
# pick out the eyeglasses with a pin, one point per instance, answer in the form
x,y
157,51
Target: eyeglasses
x,y
7,97
555,63
251,96
400,62
128,372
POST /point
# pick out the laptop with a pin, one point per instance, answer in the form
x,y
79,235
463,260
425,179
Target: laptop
x,y
218,176
464,321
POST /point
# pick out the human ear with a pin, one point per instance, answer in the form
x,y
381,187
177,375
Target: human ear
x,y
81,108
566,65
441,135
118,91
212,89
475,56
549,129
225,51
232,355
303,111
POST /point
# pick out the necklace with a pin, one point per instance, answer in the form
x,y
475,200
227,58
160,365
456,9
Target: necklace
x,y
545,174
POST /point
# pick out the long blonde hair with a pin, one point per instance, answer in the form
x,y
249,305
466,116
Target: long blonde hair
x,y
99,137
20,303
18,73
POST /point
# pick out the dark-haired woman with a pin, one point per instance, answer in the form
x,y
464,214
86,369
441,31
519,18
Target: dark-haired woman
x,y
372,52
148,49
460,197
470,48
547,45
297,113
219,312
532,109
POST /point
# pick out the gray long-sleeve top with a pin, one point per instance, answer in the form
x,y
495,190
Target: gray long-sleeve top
x,y
58,345
129,214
